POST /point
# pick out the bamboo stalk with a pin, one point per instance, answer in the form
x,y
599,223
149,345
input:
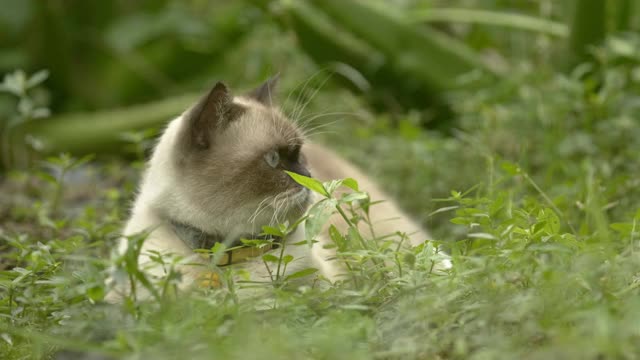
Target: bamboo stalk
x,y
588,29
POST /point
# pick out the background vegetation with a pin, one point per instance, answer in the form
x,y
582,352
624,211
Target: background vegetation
x,y
509,128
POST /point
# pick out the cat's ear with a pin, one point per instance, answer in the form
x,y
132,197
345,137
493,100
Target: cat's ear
x,y
265,93
213,112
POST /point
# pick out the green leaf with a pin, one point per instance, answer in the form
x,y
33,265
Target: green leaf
x,y
317,216
539,226
37,78
7,338
354,197
359,307
443,209
335,234
270,258
287,259
409,259
460,221
351,183
270,230
95,293
47,177
623,228
218,247
481,236
83,160
258,243
309,183
552,221
354,236
510,168
332,185
337,238
301,273
303,242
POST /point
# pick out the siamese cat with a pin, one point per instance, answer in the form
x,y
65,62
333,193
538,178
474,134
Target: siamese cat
x,y
217,174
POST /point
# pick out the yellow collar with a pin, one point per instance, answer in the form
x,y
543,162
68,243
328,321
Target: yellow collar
x,y
239,254
198,239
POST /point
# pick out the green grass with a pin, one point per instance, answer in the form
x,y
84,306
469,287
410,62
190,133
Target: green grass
x,y
536,196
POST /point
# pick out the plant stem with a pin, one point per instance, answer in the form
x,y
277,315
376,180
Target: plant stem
x,y
268,270
280,258
57,197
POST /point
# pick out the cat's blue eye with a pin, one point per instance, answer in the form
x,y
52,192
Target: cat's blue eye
x,y
272,158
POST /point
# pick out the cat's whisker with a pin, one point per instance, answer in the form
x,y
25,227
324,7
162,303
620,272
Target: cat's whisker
x,y
302,83
261,207
304,93
322,132
305,120
301,138
317,131
301,93
306,128
300,206
276,207
309,130
273,203
313,95
284,205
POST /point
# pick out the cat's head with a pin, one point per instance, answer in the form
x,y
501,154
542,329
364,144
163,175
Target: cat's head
x,y
231,153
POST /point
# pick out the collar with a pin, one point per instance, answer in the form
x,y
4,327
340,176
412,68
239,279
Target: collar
x,y
236,252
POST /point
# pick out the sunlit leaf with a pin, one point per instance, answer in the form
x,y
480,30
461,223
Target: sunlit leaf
x,y
317,216
270,258
309,183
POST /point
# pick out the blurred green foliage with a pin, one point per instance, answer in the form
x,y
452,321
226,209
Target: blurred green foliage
x,y
152,49
534,188
144,49
119,53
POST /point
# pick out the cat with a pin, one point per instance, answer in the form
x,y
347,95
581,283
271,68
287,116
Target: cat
x,y
216,175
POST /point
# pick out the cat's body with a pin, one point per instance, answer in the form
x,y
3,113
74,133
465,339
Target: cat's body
x,y
218,168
